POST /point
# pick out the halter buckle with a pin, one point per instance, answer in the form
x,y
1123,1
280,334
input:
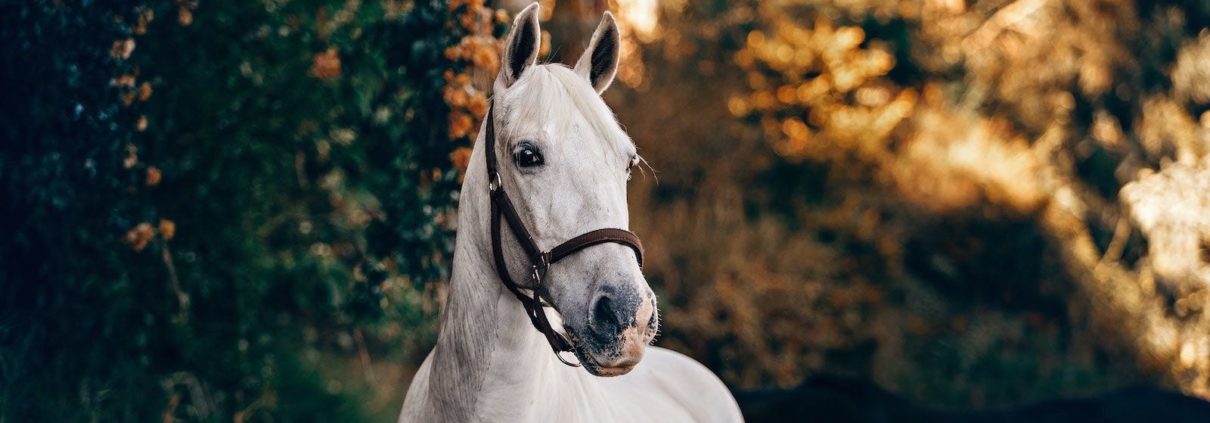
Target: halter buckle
x,y
537,272
494,183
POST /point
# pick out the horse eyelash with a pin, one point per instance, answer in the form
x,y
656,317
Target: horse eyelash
x,y
640,162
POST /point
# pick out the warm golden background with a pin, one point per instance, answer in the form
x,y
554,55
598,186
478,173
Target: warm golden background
x,y
970,203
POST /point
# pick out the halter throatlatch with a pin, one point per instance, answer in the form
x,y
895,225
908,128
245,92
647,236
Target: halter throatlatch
x,y
539,260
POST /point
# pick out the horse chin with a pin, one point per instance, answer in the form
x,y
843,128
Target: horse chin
x,y
614,360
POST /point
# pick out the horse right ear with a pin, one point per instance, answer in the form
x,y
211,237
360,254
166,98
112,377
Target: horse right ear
x,y
521,49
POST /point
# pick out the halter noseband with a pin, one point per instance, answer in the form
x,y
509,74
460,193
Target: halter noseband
x,y
539,260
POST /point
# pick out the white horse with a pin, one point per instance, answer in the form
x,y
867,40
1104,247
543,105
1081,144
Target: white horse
x,y
565,161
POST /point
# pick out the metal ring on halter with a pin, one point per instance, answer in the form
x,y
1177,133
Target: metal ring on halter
x,y
538,270
494,184
559,356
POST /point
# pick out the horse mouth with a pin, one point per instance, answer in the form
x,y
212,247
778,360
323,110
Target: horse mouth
x,y
617,370
616,359
616,367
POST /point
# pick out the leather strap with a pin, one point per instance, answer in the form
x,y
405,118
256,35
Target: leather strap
x,y
502,209
599,236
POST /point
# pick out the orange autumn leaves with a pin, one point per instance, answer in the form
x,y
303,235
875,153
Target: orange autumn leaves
x,y
140,235
476,60
130,92
184,11
326,65
816,88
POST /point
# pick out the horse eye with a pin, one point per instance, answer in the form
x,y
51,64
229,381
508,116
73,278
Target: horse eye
x,y
528,155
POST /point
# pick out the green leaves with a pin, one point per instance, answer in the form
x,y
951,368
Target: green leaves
x,y
300,152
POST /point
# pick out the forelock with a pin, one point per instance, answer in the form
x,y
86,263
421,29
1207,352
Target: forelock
x,y
552,92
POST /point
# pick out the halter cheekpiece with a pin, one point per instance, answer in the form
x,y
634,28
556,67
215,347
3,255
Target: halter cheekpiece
x,y
539,260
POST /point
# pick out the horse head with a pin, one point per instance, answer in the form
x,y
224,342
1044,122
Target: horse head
x,y
564,162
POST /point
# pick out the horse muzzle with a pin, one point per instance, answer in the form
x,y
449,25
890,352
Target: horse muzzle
x,y
621,323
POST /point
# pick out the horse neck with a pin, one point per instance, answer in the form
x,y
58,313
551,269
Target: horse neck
x,y
488,357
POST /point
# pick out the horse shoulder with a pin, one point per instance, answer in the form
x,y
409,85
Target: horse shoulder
x,y
691,385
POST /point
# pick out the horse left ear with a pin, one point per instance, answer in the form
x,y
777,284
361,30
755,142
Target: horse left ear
x,y
521,49
599,63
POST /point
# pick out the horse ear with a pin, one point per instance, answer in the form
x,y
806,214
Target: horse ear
x,y
600,60
521,49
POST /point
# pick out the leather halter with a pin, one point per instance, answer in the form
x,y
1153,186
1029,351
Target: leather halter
x,y
539,260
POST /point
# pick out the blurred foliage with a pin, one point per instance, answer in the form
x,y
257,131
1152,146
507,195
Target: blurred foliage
x,y
926,192
226,210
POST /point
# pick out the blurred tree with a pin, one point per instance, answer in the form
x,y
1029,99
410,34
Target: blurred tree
x,y
207,204
1029,113
928,193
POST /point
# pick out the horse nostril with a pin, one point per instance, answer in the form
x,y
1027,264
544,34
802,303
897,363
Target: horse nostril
x,y
605,315
614,310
